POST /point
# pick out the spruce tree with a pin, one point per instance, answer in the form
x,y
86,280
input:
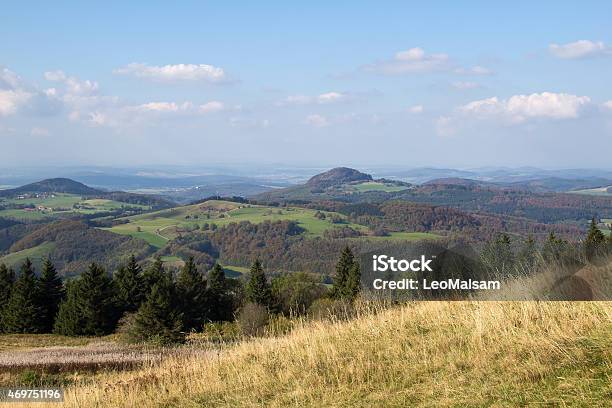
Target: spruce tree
x,y
158,319
191,288
22,314
353,282
7,280
152,275
258,289
345,275
129,286
595,242
69,319
90,307
220,305
51,293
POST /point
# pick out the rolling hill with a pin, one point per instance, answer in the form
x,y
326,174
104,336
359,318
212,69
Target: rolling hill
x,y
54,185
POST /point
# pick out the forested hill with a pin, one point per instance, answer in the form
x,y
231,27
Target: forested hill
x,y
337,176
69,186
53,185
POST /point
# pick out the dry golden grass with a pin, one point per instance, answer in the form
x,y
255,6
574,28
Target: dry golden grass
x,y
423,353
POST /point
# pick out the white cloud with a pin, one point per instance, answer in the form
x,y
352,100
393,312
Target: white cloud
x,y
317,120
579,49
475,70
162,107
465,85
527,110
520,108
330,97
416,109
74,85
411,61
11,101
212,106
324,98
177,72
608,105
9,79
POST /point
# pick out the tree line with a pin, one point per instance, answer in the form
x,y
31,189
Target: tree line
x,y
154,304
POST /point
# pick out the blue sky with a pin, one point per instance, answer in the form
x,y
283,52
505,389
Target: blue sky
x,y
412,84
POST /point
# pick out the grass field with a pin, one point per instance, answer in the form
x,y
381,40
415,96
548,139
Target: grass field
x,y
158,227
420,354
376,186
60,204
36,255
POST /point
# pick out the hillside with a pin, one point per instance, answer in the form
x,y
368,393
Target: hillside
x,y
54,185
337,176
72,245
424,353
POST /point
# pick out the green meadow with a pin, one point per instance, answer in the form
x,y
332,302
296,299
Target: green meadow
x,y
58,205
35,254
376,186
159,227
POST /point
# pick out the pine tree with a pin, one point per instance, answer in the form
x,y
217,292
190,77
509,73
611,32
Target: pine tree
x,y
220,305
129,286
7,280
90,307
51,293
595,242
158,319
258,289
22,314
191,288
347,275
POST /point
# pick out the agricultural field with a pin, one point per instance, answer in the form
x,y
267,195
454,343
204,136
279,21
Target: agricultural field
x,y
58,204
375,186
161,226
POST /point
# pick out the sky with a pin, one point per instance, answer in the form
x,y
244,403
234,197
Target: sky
x,y
441,84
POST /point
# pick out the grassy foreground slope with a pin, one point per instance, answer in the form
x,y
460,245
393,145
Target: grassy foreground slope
x,y
424,354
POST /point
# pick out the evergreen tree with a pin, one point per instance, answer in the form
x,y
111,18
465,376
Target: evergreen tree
x,y
22,314
220,305
129,286
158,319
90,307
7,280
258,289
191,288
69,319
348,275
152,275
528,254
51,293
595,242
353,282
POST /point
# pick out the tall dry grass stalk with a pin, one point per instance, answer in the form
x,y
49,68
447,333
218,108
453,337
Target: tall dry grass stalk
x,y
423,353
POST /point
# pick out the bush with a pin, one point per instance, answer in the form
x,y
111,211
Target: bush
x,y
253,319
